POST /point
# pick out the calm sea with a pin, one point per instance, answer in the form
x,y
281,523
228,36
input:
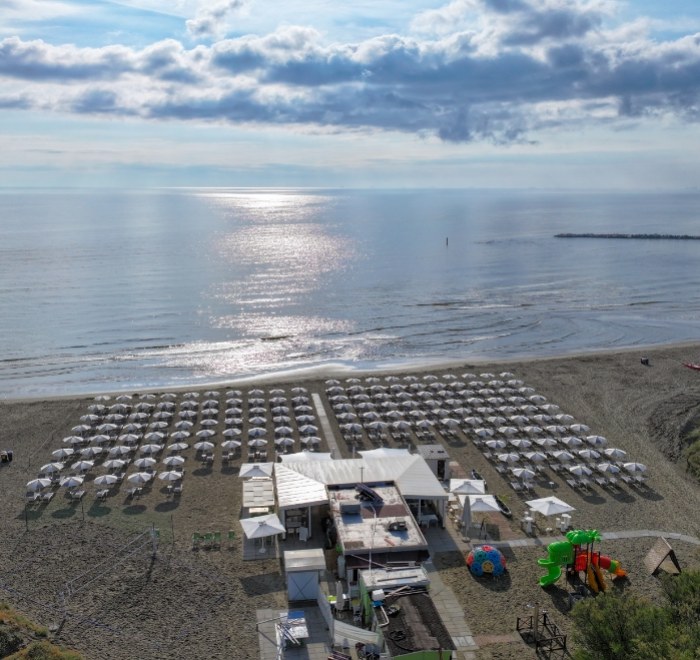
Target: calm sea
x,y
126,290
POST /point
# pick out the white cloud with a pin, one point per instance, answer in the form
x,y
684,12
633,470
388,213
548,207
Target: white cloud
x,y
211,19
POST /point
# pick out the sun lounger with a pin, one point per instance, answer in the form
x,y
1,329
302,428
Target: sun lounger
x,y
231,537
77,495
516,486
102,494
32,496
48,496
573,483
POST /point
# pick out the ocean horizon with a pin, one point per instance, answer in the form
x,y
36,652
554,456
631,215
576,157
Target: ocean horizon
x,y
127,290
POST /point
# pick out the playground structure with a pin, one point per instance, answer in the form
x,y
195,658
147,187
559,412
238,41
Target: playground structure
x,y
486,559
576,555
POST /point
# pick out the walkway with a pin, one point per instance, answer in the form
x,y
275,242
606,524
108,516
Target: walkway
x,y
326,426
610,536
451,612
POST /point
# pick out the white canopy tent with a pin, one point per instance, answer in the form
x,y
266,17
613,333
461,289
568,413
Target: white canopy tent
x,y
303,483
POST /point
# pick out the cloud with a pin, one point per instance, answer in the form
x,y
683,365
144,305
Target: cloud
x,y
533,66
210,20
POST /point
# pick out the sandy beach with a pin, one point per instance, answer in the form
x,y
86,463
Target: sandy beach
x,y
118,602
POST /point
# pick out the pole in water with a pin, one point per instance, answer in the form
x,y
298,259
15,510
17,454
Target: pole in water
x,y
447,241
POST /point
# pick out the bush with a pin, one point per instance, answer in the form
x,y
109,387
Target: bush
x,y
613,627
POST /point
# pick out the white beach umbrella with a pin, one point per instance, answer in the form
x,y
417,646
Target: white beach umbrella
x,y
151,449
257,421
467,486
615,453
262,526
549,506
168,396
507,430
564,418
256,433
257,442
588,454
579,428
563,456
154,436
208,423
580,470
145,462
81,429
38,484
231,444
536,456
308,429
523,473
556,429
311,440
496,444
596,440
520,443
483,432
126,438
140,478
119,450
572,441
114,464
281,420
170,475
204,445
180,435
284,430
284,441
90,452
206,433
509,457
63,452
635,467
232,433
178,446
610,468
105,480
377,427
187,414
184,425
546,442
83,465
73,440
173,460
72,482
50,468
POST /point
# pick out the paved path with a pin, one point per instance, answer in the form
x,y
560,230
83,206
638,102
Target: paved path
x,y
626,534
326,425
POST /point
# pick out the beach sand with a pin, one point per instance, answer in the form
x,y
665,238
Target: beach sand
x,y
121,603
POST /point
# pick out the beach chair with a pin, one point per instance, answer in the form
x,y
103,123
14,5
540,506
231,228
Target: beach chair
x,y
572,483
208,540
516,486
48,496
216,539
196,538
231,538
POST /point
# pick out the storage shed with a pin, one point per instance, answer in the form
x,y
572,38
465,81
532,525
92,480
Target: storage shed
x,y
303,569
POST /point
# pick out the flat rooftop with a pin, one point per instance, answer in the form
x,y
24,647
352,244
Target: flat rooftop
x,y
365,526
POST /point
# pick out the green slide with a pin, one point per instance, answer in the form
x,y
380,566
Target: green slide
x,y
552,576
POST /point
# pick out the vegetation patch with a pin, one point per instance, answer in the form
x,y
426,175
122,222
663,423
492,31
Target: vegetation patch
x,y
691,442
21,638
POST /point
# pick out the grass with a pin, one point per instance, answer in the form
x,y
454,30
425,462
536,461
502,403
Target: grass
x,y
692,452
18,639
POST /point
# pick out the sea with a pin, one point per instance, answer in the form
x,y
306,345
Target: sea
x,y
127,290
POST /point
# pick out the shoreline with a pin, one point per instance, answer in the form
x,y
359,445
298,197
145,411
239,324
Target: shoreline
x,y
346,370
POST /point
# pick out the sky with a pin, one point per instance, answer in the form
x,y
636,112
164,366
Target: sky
x,y
580,94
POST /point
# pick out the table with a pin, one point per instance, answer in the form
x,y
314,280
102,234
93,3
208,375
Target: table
x,y
428,519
